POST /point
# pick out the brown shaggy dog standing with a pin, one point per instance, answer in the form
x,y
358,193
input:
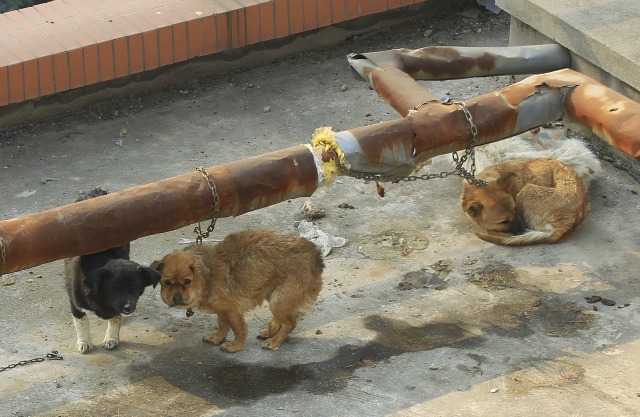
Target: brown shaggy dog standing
x,y
238,274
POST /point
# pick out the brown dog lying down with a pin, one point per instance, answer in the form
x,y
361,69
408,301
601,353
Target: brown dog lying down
x,y
238,274
527,201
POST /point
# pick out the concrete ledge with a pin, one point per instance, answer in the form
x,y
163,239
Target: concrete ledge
x,y
602,36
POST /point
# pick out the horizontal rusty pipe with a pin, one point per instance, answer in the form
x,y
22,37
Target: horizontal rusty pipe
x,y
439,127
451,62
114,219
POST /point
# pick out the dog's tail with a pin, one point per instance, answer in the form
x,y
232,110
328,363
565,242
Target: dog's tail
x,y
574,153
530,237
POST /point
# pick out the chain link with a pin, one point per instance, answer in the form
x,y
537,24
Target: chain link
x,y
216,208
459,169
51,356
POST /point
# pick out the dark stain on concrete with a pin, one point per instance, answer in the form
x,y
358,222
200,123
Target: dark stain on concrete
x,y
225,381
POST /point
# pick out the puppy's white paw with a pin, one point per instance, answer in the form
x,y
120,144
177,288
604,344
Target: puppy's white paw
x,y
84,347
110,343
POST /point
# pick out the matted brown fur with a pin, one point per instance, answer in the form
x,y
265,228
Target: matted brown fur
x,y
238,274
544,198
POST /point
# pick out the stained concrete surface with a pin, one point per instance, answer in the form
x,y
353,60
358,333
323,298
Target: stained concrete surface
x,y
417,316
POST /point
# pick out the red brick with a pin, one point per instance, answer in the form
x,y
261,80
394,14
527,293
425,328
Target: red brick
x,y
394,4
61,71
91,64
62,37
338,11
31,87
353,9
46,77
209,35
222,32
50,45
165,39
80,36
136,54
7,25
64,9
310,10
17,52
252,14
105,59
33,16
125,25
53,16
282,18
380,6
324,14
188,10
86,12
91,29
162,12
76,68
24,23
98,5
296,17
121,57
7,57
180,44
140,23
267,21
109,29
6,38
4,86
150,43
194,32
16,83
367,7
238,28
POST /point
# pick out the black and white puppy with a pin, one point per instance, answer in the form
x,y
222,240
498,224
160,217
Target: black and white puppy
x,y
107,283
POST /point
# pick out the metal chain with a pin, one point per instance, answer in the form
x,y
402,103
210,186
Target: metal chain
x,y
216,208
51,356
459,169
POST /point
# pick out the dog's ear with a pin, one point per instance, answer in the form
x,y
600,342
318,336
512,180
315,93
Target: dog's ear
x,y
472,208
150,274
95,278
198,267
157,265
505,182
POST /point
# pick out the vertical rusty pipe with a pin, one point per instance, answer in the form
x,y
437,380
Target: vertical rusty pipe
x,y
100,223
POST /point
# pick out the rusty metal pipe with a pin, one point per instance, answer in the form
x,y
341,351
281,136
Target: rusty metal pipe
x,y
451,62
96,224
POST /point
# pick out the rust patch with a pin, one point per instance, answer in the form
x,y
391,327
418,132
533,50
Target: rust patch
x,y
381,139
399,90
117,218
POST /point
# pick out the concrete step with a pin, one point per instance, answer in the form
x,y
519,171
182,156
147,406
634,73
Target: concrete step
x,y
603,36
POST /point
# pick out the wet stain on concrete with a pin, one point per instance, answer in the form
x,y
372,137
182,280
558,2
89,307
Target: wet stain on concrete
x,y
496,276
390,244
402,335
225,381
422,279
543,373
563,319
